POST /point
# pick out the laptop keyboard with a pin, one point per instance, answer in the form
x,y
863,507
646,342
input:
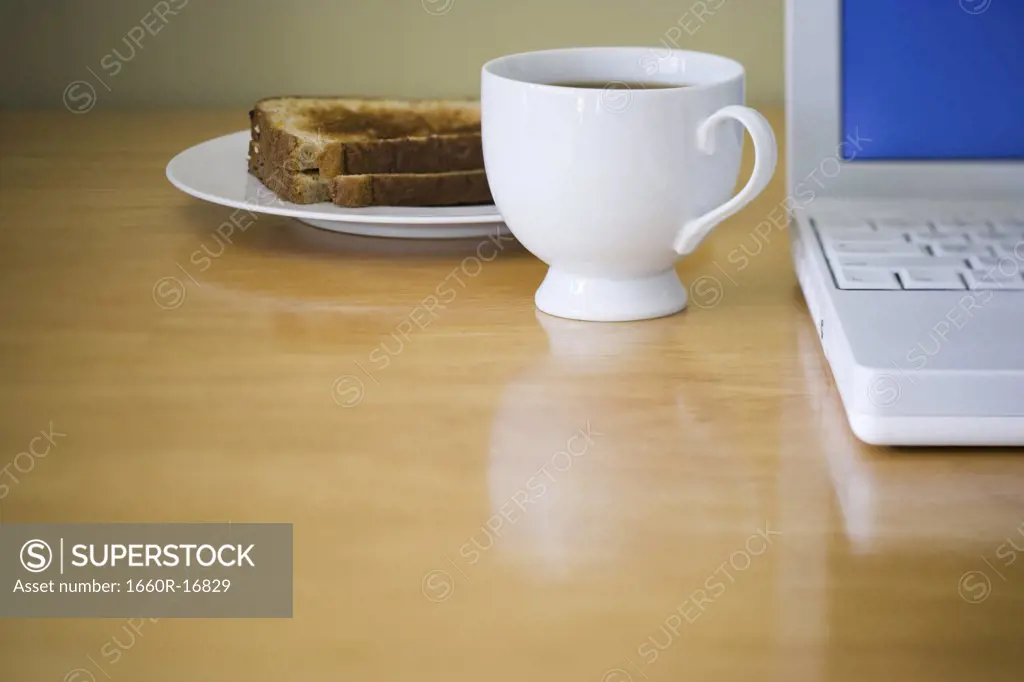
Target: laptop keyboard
x,y
897,254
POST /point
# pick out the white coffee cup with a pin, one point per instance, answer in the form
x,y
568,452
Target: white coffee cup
x,y
610,186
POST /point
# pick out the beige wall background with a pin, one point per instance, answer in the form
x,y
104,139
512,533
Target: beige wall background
x,y
232,52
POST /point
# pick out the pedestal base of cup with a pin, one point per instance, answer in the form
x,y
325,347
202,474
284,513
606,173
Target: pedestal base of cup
x,y
596,299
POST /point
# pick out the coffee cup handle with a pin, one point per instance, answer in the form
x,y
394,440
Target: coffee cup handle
x,y
766,155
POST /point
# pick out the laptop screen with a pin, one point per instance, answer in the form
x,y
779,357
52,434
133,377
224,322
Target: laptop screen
x,y
934,79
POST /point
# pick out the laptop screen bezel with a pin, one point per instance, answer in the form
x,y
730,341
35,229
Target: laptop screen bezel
x,y
814,128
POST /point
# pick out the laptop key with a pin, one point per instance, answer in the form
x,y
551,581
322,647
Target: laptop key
x,y
826,224
960,249
997,274
957,226
929,234
888,247
993,236
981,234
900,223
848,235
866,278
993,280
1010,249
985,263
922,260
931,278
1012,228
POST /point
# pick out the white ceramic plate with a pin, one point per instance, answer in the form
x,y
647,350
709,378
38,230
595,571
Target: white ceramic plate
x,y
216,171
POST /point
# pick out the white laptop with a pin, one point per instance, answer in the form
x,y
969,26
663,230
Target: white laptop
x,y
905,129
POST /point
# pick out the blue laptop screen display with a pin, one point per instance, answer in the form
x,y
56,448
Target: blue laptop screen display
x,y
934,79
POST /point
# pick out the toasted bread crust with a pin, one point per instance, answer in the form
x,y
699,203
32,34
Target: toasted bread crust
x,y
281,149
359,191
298,187
375,133
427,189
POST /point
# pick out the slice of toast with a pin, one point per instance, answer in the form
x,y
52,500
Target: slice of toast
x,y
422,189
356,136
360,191
298,187
369,152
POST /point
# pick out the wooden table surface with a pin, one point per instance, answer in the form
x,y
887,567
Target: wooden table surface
x,y
716,520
